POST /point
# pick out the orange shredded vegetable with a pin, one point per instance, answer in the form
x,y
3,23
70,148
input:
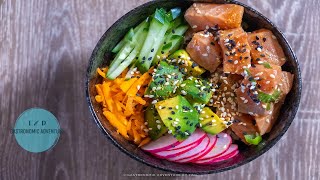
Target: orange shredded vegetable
x,y
122,105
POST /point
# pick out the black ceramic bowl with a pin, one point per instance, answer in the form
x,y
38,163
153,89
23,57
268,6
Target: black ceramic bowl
x,y
101,57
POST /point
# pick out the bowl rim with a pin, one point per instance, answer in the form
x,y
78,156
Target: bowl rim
x,y
249,159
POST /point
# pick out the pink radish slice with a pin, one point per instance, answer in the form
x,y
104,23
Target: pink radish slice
x,y
229,153
161,144
193,152
223,143
195,137
172,153
213,140
227,157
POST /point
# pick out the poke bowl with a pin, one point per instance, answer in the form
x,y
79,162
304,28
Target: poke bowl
x,y
193,87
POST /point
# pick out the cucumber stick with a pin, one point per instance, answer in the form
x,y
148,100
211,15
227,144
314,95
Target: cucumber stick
x,y
172,41
130,57
127,37
152,43
127,48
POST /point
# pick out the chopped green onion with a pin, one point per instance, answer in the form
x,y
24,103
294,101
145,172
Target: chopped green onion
x,y
267,98
267,65
253,139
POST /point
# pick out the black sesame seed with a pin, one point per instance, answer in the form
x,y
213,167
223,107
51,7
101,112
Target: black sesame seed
x,y
170,108
258,59
257,38
212,43
185,117
173,31
144,58
193,64
162,52
170,118
262,55
172,112
246,57
264,39
150,58
230,61
152,49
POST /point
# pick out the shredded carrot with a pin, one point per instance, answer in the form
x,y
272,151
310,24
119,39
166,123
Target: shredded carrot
x,y
127,84
122,104
101,73
145,141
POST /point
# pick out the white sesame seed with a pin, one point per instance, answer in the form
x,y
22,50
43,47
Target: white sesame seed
x,y
159,126
235,62
267,82
170,131
157,121
166,83
259,49
186,133
272,76
259,74
177,107
245,101
150,129
154,101
273,37
138,87
268,120
205,54
259,62
242,98
194,26
183,92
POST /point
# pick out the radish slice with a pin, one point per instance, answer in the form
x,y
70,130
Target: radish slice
x,y
172,153
231,152
223,143
161,144
213,140
196,137
193,152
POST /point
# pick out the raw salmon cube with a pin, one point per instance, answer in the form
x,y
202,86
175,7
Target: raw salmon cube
x,y
200,16
205,51
265,48
258,78
235,49
242,125
265,123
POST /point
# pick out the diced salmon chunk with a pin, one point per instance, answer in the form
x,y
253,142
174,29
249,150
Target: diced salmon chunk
x,y
258,79
265,48
202,15
265,123
235,49
243,125
205,51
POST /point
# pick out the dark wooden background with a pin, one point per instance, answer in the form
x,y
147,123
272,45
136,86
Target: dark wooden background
x,y
44,50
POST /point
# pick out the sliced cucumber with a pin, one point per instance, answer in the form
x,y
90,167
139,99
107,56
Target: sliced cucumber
x,y
127,48
127,37
123,65
172,42
158,27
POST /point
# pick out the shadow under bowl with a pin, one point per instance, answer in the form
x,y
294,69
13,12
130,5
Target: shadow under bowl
x,y
101,56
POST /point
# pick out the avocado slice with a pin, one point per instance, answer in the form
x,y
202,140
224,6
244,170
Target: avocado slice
x,y
210,122
183,59
178,116
196,90
157,128
166,79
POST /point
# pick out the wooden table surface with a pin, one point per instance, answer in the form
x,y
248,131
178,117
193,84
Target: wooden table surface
x,y
44,51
